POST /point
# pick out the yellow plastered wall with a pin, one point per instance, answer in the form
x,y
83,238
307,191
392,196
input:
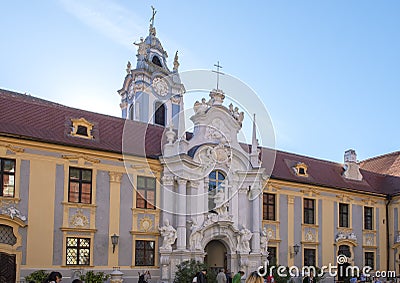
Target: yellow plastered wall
x,y
381,229
115,191
327,231
41,214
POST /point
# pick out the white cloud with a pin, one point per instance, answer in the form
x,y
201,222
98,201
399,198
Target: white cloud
x,y
111,19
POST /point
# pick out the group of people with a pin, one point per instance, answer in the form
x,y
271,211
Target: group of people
x,y
144,277
56,277
225,277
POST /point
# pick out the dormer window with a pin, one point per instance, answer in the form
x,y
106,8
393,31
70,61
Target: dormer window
x,y
301,169
82,128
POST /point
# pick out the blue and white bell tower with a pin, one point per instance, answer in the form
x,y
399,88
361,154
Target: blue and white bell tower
x,y
151,93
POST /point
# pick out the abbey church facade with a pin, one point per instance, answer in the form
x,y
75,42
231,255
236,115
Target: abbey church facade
x,y
85,191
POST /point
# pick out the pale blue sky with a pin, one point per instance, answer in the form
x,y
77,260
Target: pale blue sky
x,y
327,71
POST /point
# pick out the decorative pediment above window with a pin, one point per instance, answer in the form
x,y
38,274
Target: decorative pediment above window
x,y
344,198
310,192
82,128
369,201
271,188
4,147
346,235
81,159
301,169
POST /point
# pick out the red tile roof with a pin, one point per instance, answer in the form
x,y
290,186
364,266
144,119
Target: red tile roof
x,y
28,117
388,164
33,118
329,174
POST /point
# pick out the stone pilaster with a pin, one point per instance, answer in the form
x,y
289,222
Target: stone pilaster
x,y
256,215
242,200
165,262
181,214
115,191
167,199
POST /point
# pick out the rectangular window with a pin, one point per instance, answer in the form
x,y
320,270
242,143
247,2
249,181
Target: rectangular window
x,y
80,185
272,255
369,259
343,215
368,218
78,251
309,211
146,192
269,207
7,177
309,257
144,253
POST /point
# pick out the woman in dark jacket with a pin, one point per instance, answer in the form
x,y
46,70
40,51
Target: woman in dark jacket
x,y
54,277
201,276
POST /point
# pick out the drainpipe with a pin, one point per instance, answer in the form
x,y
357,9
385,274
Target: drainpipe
x,y
388,199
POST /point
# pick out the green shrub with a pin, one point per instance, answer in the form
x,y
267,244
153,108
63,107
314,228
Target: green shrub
x,y
38,276
187,270
91,277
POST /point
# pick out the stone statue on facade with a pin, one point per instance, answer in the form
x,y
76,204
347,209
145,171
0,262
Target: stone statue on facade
x,y
142,47
340,236
128,67
243,240
13,212
200,107
264,241
352,236
398,238
169,235
220,204
195,236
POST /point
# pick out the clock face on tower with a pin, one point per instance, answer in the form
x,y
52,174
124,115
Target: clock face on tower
x,y
160,86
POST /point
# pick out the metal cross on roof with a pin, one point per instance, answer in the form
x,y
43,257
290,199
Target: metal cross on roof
x,y
218,72
152,18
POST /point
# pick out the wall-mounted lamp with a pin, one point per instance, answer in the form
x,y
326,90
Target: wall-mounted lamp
x,y
296,249
114,241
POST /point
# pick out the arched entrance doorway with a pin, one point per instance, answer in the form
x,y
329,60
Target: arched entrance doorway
x,y
344,252
216,255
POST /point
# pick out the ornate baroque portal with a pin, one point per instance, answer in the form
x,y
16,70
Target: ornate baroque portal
x,y
211,193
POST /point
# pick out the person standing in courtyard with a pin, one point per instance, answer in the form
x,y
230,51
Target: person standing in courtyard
x,y
237,277
228,276
309,278
54,277
254,278
221,277
201,276
147,276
